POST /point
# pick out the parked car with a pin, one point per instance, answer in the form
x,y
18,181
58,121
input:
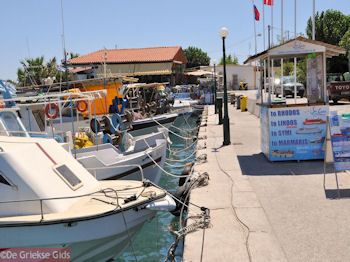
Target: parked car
x,y
338,86
288,87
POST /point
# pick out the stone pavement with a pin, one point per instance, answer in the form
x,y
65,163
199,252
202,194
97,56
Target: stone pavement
x,y
291,217
230,198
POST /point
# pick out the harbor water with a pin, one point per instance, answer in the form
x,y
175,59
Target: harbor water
x,y
153,241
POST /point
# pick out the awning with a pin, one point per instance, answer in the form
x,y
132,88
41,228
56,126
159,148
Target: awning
x,y
199,73
298,47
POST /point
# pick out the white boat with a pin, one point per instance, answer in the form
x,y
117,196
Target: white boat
x,y
107,161
183,106
47,199
151,124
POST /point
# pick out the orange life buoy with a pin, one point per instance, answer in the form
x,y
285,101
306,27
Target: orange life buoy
x,y
47,111
82,106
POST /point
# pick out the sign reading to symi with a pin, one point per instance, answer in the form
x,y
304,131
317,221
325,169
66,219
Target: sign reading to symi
x,y
340,133
296,47
297,133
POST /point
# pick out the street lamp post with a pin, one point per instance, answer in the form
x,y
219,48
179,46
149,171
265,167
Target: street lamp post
x,y
216,110
226,125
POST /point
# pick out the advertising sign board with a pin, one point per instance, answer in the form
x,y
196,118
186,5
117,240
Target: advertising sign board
x,y
340,133
297,133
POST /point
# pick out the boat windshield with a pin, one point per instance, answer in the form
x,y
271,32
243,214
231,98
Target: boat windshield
x,y
9,121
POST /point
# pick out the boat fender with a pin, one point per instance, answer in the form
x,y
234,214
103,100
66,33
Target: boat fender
x,y
58,139
116,121
122,146
47,111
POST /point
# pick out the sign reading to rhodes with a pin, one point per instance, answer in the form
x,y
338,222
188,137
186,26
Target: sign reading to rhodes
x,y
297,133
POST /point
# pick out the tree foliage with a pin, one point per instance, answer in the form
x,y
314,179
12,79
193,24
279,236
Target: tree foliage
x,y
288,70
196,57
35,70
332,27
229,60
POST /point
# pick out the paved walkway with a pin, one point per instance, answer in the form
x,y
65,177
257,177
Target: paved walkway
x,y
290,215
230,198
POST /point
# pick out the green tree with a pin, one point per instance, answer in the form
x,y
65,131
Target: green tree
x,y
330,27
229,60
35,70
73,55
196,57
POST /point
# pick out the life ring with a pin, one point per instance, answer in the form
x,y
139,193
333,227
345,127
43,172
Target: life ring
x,y
82,106
47,111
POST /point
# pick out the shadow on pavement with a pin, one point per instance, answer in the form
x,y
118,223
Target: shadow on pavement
x,y
333,193
258,165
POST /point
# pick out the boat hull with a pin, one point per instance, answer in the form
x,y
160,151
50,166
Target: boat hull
x,y
95,239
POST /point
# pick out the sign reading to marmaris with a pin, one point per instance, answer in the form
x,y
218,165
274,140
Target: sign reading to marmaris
x,y
340,133
297,133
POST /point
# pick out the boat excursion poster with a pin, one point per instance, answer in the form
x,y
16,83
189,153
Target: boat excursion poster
x,y
297,133
340,133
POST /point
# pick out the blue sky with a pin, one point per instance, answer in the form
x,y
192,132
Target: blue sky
x,y
33,28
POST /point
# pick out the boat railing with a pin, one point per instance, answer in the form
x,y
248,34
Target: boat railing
x,y
118,166
41,200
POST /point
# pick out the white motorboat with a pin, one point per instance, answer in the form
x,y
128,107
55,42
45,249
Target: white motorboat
x,y
47,199
151,124
184,106
107,161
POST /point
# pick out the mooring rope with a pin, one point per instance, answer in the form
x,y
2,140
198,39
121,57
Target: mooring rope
x,y
170,131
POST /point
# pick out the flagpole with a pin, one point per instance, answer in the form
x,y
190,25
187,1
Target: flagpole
x,y
272,23
282,38
264,22
313,21
295,18
254,27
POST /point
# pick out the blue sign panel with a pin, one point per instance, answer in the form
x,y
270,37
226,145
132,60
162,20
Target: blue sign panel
x,y
340,133
297,133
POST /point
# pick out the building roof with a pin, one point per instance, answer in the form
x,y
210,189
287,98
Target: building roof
x,y
330,50
132,55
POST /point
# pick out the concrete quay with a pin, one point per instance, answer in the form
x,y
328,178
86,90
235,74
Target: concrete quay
x,y
230,198
283,206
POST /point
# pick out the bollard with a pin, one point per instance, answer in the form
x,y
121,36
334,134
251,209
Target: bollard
x,y
219,105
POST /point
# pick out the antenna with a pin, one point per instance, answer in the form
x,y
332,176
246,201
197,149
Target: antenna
x,y
28,47
64,45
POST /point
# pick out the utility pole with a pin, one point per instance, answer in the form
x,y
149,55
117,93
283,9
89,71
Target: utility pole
x,y
268,29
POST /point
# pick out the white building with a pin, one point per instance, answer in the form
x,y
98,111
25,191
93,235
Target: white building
x,y
236,74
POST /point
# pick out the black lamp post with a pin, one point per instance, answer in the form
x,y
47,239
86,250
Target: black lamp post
x,y
216,110
226,125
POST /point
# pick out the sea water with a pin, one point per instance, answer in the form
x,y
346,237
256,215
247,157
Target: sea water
x,y
153,241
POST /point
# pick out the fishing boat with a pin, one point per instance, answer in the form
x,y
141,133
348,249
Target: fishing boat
x,y
108,162
45,192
